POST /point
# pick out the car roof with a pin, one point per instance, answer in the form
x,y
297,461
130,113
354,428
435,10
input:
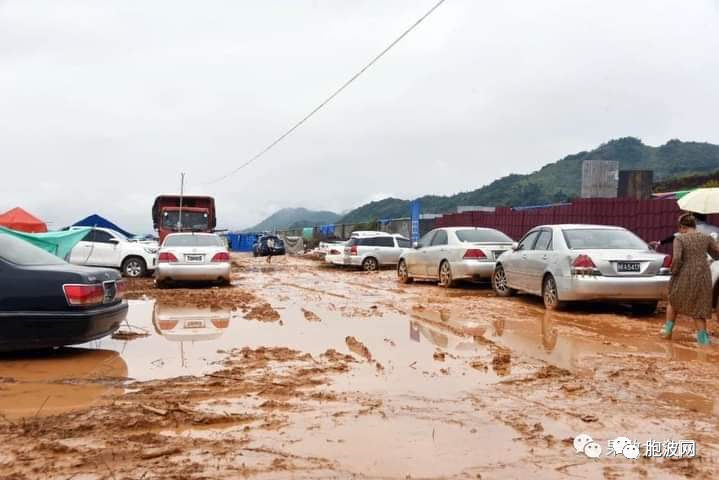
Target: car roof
x,y
187,234
454,229
581,226
370,233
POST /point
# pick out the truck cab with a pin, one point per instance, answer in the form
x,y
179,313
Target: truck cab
x,y
189,213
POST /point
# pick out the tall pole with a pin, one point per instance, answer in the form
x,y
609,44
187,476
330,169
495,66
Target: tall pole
x,y
182,193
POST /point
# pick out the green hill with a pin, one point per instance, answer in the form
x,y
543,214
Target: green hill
x,y
559,181
294,218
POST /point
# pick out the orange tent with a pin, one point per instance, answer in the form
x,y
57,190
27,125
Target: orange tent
x,y
19,219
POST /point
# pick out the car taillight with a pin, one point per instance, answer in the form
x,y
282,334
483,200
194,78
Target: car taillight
x,y
220,322
474,254
84,294
166,324
666,266
166,257
584,265
221,257
353,250
120,288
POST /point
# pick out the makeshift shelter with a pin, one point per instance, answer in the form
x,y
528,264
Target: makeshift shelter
x,y
58,243
96,220
20,220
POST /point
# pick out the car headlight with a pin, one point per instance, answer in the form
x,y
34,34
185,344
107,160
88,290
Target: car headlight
x,y
150,250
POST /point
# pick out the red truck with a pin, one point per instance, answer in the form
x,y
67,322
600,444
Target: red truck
x,y
198,214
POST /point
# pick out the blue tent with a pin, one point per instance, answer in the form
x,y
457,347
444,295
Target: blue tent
x,y
96,220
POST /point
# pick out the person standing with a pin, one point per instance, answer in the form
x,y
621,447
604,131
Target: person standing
x,y
270,246
690,289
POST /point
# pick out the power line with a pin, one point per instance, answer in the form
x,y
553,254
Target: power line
x,y
330,98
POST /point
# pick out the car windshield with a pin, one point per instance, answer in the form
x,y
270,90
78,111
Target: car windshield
x,y
603,239
20,252
193,241
482,236
190,220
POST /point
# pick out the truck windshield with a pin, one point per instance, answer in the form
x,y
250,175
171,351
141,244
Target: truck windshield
x,y
190,220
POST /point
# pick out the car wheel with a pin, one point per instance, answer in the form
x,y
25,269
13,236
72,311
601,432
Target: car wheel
x,y
645,308
445,275
370,264
403,272
550,294
161,284
500,284
134,267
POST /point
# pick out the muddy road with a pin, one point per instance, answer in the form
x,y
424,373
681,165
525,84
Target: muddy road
x,y
300,370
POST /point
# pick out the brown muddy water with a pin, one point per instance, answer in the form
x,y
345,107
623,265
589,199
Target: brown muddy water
x,y
376,380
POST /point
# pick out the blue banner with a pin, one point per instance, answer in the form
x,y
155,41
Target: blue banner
x,y
414,209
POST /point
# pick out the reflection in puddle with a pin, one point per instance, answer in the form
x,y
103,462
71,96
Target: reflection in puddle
x,y
178,324
66,379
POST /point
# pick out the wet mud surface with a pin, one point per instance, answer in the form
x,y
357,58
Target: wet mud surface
x,y
299,370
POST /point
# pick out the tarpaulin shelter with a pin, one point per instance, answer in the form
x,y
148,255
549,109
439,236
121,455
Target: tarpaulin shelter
x,y
20,220
58,243
96,220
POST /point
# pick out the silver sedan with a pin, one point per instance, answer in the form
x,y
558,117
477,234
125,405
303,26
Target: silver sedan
x,y
450,254
584,262
193,257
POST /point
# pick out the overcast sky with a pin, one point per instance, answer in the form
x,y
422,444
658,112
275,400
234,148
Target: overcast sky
x,y
103,104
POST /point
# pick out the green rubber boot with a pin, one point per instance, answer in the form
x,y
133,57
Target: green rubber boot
x,y
667,329
703,338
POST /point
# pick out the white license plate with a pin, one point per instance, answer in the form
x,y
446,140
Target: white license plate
x,y
194,324
629,267
193,258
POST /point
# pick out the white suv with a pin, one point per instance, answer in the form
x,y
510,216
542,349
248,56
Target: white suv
x,y
103,247
371,251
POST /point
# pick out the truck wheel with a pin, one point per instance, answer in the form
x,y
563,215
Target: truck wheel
x,y
134,267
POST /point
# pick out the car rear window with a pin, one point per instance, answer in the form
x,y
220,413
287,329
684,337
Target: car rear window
x,y
20,252
603,239
482,236
193,241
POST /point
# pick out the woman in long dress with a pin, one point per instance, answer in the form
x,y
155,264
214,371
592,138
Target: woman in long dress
x,y
690,290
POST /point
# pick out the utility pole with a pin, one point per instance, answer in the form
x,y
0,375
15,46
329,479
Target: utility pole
x,y
182,193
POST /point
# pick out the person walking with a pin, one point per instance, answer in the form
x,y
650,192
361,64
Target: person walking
x,y
690,289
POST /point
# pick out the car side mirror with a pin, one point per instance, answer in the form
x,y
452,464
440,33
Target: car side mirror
x,y
415,245
114,241
515,246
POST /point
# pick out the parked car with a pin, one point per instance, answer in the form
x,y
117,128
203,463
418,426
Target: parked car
x,y
103,247
334,252
373,250
448,255
261,249
584,262
193,257
46,302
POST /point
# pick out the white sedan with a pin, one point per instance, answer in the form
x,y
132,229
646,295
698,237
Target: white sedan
x,y
193,257
450,254
103,247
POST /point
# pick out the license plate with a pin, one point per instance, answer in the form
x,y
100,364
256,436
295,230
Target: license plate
x,y
110,291
193,258
194,324
632,267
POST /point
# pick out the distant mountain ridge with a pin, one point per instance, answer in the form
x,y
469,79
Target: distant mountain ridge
x,y
294,218
559,181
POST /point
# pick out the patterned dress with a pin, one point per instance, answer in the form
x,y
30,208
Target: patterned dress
x,y
690,290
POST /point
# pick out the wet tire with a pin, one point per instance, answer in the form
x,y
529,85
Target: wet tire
x,y
162,284
499,283
550,294
370,264
403,272
445,275
645,308
134,267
